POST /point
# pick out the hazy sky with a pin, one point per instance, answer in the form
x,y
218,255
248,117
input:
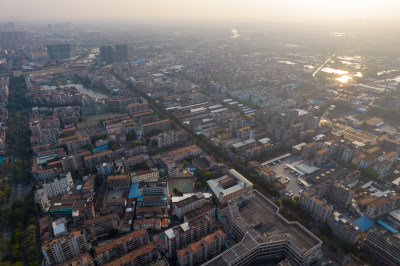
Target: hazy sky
x,y
198,10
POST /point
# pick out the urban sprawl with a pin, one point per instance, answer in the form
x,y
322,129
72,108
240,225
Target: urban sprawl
x,y
134,147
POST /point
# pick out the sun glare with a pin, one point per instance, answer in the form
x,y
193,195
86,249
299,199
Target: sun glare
x,y
344,79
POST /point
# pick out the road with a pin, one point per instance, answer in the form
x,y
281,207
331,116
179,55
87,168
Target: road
x,y
321,66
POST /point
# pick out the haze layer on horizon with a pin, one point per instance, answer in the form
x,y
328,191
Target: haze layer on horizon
x,y
200,10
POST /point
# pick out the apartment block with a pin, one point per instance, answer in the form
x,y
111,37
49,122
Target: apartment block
x,y
39,173
63,249
202,250
381,206
188,232
101,225
385,247
118,181
145,175
105,169
142,256
171,137
335,191
131,162
74,161
136,107
158,125
88,186
93,160
151,223
318,208
189,204
42,200
121,246
182,153
77,144
205,210
57,187
342,229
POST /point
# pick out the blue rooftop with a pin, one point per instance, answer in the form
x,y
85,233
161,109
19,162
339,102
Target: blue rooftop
x,y
387,227
364,223
133,191
138,61
100,149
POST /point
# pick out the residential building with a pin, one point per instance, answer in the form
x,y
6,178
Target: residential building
x,y
137,107
101,225
318,208
171,137
142,256
342,229
151,223
335,191
189,204
74,161
381,206
39,173
60,51
77,144
63,249
131,162
384,246
121,53
88,186
152,174
105,169
57,187
42,200
205,210
202,250
147,128
93,160
107,54
118,181
121,246
188,232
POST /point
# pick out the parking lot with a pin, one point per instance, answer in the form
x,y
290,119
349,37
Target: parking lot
x,y
279,168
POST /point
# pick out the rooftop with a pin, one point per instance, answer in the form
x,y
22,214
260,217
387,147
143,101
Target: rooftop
x,y
217,188
373,121
120,241
263,224
199,211
190,200
242,143
128,258
259,209
199,244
